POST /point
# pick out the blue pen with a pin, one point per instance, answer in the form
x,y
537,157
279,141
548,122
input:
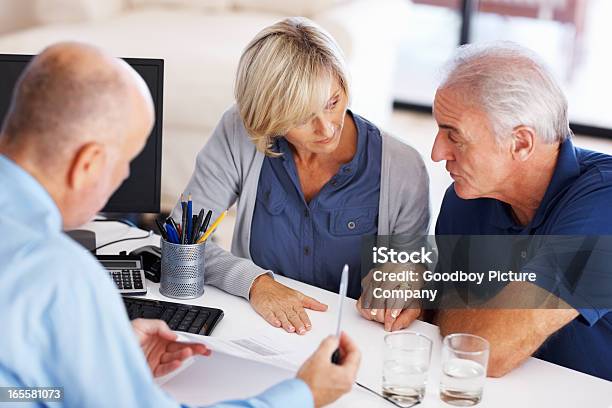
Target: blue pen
x,y
170,232
189,218
174,236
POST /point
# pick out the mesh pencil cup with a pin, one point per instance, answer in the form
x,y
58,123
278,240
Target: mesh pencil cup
x,y
182,270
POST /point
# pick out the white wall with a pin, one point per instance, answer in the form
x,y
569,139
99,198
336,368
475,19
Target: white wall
x,y
15,14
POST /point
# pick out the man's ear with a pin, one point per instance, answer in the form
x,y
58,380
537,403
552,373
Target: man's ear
x,y
87,166
523,142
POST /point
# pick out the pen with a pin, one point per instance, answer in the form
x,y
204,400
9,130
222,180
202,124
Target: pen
x,y
169,233
189,219
194,218
161,228
204,225
196,226
341,295
213,227
171,221
184,223
170,229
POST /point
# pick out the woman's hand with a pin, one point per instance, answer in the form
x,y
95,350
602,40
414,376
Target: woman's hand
x,y
164,354
282,306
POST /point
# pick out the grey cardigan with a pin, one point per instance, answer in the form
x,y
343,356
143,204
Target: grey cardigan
x,y
227,171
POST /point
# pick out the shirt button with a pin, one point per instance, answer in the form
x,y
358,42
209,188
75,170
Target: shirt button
x,y
346,169
351,225
306,250
334,182
306,214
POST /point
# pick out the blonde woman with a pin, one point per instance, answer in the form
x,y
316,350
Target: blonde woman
x,y
309,177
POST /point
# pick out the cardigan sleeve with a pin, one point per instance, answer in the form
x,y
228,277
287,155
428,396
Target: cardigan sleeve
x,y
216,184
404,194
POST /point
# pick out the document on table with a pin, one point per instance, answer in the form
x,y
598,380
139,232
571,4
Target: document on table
x,y
262,350
267,349
237,368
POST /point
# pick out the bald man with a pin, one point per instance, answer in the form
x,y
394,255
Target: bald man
x,y
77,119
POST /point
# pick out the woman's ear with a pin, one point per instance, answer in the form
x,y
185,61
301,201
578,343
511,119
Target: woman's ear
x,y
87,166
523,142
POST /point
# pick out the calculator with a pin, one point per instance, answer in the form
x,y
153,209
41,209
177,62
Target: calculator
x,y
127,273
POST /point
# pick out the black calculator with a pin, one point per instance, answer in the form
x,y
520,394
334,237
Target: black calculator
x,y
127,273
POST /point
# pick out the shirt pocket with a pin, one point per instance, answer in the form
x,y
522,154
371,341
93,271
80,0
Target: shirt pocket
x,y
354,221
272,197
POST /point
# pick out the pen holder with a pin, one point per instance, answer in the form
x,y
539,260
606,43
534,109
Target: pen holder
x,y
182,270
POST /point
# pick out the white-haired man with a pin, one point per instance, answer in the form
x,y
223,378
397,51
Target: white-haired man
x,y
505,137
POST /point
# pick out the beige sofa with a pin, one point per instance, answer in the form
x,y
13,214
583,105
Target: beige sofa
x,y
201,41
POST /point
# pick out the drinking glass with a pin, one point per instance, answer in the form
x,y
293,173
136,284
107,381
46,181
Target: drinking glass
x,y
464,369
405,367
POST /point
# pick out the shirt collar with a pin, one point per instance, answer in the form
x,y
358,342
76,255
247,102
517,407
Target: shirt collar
x,y
566,171
24,199
347,170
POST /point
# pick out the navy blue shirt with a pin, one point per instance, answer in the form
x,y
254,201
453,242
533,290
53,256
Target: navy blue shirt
x,y
311,241
578,201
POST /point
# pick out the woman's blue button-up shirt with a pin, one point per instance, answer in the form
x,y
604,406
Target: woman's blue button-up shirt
x,y
311,241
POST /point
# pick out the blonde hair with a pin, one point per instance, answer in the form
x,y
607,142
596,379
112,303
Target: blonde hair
x,y
284,77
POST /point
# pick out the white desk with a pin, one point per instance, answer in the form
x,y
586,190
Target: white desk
x,y
535,384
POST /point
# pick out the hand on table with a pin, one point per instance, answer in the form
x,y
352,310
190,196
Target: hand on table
x,y
328,381
393,319
282,306
395,314
163,353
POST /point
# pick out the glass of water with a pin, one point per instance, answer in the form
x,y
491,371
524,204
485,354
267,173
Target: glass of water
x,y
405,367
464,369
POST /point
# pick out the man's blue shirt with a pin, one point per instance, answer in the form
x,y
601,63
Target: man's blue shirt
x,y
63,321
578,201
311,241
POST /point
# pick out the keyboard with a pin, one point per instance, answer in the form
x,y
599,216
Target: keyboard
x,y
180,317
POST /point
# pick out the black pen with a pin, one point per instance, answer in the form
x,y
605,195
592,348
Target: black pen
x,y
171,221
204,225
184,223
161,228
197,223
193,221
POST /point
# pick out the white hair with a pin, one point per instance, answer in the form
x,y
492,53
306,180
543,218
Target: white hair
x,y
512,86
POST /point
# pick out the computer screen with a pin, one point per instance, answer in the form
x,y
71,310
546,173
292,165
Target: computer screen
x,y
140,192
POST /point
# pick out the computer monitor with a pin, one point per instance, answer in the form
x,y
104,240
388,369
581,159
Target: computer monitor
x,y
140,193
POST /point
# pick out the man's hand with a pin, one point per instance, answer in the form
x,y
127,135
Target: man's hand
x,y
393,319
164,354
282,306
394,314
328,381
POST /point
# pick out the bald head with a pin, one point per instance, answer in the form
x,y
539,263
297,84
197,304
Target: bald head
x,y
77,119
73,93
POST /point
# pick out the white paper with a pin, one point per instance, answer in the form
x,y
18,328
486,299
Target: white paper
x,y
222,377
